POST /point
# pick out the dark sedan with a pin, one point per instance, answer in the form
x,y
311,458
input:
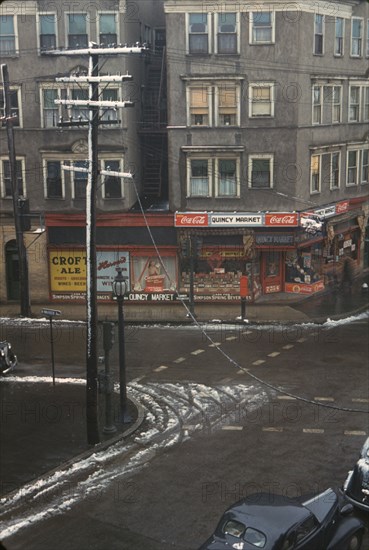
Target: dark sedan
x,y
356,486
274,522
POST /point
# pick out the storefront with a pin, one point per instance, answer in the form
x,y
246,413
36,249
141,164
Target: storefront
x,y
122,241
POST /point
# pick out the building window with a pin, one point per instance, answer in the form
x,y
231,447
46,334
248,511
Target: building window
x,y
332,104
334,170
79,111
356,36
7,191
77,30
80,179
112,184
366,102
227,177
339,36
315,174
109,113
365,166
317,105
50,109
227,33
198,34
199,177
47,25
14,105
354,107
261,100
262,27
108,28
199,100
54,188
260,171
227,105
8,39
352,167
318,34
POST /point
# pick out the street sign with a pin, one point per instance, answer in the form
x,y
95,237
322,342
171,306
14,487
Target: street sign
x,y
50,312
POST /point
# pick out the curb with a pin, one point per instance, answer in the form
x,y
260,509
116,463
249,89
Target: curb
x,y
85,454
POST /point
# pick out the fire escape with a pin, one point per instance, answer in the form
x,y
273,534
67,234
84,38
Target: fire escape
x,y
153,132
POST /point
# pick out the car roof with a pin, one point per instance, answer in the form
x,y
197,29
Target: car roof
x,y
273,515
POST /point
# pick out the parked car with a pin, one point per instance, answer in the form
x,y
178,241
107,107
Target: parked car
x,y
275,522
356,486
8,360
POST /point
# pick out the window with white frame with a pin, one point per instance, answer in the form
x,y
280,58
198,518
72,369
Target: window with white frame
x,y
108,28
214,103
365,103
356,36
79,179
262,27
218,176
339,30
227,104
79,111
227,177
335,161
15,104
6,182
198,33
8,35
261,99
77,33
53,179
113,185
318,34
50,111
352,167
199,99
332,104
227,33
317,105
260,171
365,166
199,177
109,113
354,104
47,31
315,173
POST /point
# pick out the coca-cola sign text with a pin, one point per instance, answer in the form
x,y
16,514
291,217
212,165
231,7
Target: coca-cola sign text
x,y
281,219
342,207
192,219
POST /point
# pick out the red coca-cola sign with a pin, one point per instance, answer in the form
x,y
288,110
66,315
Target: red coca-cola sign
x,y
342,207
191,219
281,219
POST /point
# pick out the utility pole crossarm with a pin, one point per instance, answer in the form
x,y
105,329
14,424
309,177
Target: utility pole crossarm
x,y
89,103
86,79
137,49
113,173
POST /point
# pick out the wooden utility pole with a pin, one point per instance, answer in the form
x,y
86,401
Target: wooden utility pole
x,y
93,104
25,307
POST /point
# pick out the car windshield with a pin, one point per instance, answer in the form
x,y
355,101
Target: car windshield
x,y
250,535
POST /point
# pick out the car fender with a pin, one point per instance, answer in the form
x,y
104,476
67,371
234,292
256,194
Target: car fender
x,y
346,528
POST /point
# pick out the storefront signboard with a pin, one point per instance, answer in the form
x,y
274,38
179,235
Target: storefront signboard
x,y
270,239
234,220
342,207
304,288
191,219
281,219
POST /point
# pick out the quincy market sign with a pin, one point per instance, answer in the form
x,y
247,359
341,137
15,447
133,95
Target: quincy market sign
x,y
244,219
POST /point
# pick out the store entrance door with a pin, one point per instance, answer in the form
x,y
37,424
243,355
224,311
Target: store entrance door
x,y
272,272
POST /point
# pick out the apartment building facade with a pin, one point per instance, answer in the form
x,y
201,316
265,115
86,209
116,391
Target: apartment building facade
x,y
268,132
30,34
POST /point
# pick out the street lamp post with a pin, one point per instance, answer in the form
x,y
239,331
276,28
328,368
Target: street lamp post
x,y
119,289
